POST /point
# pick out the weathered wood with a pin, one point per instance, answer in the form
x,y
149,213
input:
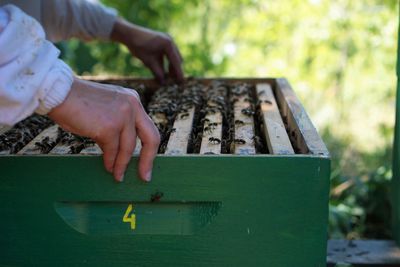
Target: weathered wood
x,y
96,150
162,109
159,119
363,252
153,84
68,144
31,148
212,129
243,143
5,152
22,133
274,129
212,132
4,128
61,149
302,130
92,150
179,138
138,147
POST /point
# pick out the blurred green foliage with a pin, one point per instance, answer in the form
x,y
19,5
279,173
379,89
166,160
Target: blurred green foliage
x,y
339,55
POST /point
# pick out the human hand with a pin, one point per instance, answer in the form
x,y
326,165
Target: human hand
x,y
151,47
112,116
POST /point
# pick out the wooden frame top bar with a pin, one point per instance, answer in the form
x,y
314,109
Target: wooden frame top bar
x,y
303,136
274,129
294,110
299,125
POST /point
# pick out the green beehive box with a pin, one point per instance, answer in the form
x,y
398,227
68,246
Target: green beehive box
x,y
199,210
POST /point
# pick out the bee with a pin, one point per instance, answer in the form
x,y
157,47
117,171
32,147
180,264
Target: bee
x,y
257,141
172,130
234,100
239,122
205,120
211,110
156,196
240,141
184,115
208,129
248,112
214,140
76,148
45,145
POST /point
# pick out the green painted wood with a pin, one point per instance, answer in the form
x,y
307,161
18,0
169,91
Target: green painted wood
x,y
396,154
232,210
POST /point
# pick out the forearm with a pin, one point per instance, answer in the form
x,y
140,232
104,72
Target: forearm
x,y
151,47
65,19
129,33
32,78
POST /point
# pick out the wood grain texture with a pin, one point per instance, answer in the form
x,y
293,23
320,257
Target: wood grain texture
x,y
243,111
4,128
274,129
92,150
31,148
61,149
96,150
179,138
5,152
138,147
68,144
302,130
363,252
152,84
212,130
162,109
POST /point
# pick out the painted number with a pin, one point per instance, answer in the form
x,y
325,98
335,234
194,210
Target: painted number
x,y
130,217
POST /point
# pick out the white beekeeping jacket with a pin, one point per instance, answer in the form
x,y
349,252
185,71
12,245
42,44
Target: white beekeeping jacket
x,y
32,78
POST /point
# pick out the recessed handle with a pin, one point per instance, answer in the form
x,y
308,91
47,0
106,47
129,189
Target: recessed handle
x,y
137,218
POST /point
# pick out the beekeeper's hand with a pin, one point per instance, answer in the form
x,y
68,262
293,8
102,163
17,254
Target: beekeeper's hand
x,y
151,47
112,116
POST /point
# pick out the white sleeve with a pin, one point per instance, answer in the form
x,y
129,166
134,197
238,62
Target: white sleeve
x,y
86,20
32,78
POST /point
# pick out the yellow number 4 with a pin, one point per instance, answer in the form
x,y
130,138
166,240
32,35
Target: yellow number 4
x,y
130,219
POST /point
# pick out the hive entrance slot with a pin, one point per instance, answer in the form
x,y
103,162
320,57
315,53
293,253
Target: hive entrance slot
x,y
137,218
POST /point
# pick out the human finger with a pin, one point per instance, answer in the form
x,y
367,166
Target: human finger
x,y
110,150
157,69
127,143
174,60
150,138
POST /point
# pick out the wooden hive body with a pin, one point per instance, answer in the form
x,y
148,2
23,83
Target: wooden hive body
x,y
203,209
